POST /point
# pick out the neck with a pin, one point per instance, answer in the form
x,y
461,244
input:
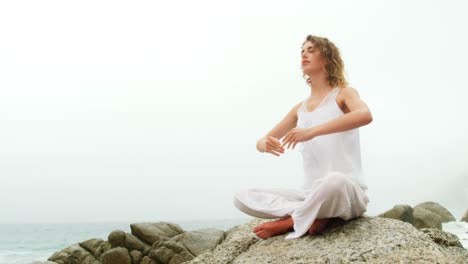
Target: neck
x,y
319,85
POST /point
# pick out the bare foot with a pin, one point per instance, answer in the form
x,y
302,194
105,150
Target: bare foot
x,y
319,225
274,228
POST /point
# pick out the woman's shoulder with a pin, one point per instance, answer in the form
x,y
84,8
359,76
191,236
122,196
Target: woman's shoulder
x,y
298,106
345,92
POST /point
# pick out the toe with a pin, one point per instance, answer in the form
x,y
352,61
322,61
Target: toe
x,y
256,229
263,234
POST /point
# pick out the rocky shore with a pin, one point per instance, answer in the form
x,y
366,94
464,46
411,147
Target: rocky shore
x,y
403,234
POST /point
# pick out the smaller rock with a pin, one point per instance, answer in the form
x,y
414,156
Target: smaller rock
x,y
148,260
136,256
438,209
465,217
118,255
152,232
96,246
401,212
165,250
201,240
426,219
117,238
75,252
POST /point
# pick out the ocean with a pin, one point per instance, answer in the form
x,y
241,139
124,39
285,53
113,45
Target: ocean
x,y
26,243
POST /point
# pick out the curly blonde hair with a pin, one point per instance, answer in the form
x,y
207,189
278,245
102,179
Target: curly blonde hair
x,y
334,65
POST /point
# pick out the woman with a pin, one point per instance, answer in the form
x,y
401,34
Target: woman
x,y
325,125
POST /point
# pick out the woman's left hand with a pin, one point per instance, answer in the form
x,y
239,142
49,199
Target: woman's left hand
x,y
297,135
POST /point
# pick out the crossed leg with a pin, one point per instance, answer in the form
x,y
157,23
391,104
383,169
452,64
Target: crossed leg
x,y
333,197
283,225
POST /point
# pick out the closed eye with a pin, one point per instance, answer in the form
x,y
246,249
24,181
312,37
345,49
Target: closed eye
x,y
309,49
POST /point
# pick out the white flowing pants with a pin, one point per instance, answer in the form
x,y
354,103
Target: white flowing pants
x,y
336,195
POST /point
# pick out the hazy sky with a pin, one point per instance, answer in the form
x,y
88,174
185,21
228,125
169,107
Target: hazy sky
x,y
150,110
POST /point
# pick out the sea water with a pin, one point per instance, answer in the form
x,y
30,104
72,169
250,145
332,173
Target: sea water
x,y
458,228
26,243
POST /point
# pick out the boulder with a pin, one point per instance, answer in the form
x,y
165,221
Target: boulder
x,y
152,232
118,255
73,254
362,239
401,212
426,219
148,260
464,217
438,209
136,256
199,241
96,247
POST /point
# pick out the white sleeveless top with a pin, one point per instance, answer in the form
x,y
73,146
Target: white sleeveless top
x,y
338,151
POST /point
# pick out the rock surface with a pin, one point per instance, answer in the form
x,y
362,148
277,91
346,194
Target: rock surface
x,y
363,239
401,235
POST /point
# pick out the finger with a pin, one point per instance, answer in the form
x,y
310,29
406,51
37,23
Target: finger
x,y
288,142
291,137
273,152
278,145
273,146
269,149
294,145
277,148
291,142
286,139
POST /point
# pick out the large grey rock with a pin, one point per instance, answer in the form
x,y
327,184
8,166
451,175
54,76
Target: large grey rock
x,y
119,238
118,255
199,241
74,254
360,240
116,238
96,247
148,260
465,217
426,219
185,246
438,209
136,256
401,212
166,251
152,232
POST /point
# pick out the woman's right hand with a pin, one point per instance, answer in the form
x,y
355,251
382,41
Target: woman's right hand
x,y
272,145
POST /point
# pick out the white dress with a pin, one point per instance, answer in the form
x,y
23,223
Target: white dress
x,y
334,183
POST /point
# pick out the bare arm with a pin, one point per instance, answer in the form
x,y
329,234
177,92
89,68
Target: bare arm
x,y
286,124
358,116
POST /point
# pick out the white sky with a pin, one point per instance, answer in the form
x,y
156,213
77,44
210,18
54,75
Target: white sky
x,y
150,110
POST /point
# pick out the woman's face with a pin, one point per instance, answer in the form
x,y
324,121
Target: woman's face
x,y
311,59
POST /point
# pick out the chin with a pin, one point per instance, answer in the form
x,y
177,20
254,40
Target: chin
x,y
307,72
